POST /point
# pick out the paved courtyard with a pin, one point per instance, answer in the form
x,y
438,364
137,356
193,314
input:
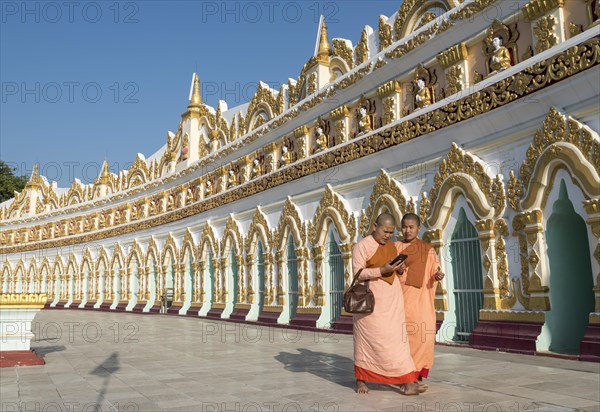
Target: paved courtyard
x,y
125,362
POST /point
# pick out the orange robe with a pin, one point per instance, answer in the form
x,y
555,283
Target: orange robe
x,y
419,302
381,353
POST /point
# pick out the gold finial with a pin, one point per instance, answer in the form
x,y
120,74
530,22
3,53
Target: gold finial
x,y
105,174
34,180
196,99
324,47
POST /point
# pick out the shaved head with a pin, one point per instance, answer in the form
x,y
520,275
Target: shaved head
x,y
384,218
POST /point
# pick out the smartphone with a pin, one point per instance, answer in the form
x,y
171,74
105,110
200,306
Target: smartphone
x,y
400,258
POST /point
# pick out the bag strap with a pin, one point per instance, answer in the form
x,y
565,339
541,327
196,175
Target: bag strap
x,y
355,280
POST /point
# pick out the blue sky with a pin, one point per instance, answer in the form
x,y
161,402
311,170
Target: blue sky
x,y
84,81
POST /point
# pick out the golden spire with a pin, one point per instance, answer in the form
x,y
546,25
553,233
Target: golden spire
x,y
34,179
196,99
324,47
105,174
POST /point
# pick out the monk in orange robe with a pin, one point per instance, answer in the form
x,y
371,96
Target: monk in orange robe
x,y
418,286
381,351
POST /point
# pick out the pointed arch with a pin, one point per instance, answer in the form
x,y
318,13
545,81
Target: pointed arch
x,y
462,173
152,253
102,260
207,239
290,222
188,246
561,142
416,13
259,229
232,236
86,260
58,264
33,277
117,257
19,274
5,276
332,209
169,250
135,252
387,195
72,265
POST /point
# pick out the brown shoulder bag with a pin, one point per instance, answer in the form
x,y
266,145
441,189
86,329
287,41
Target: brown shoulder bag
x,y
358,298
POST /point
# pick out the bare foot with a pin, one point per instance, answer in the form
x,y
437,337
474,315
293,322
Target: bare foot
x,y
361,387
409,389
422,387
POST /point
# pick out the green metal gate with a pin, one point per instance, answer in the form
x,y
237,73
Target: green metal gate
x,y
292,270
234,276
465,251
260,272
336,274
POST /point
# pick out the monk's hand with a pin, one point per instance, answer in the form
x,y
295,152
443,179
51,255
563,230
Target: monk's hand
x,y
387,269
439,276
401,268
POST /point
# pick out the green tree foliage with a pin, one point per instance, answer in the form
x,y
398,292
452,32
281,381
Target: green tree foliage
x,y
9,182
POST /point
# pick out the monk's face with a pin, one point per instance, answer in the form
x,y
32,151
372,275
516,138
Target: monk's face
x,y
383,233
410,230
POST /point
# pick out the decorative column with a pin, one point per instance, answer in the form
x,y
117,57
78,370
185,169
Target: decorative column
x,y
269,280
279,259
547,23
217,280
177,268
240,279
454,63
341,118
318,291
270,157
390,94
223,283
491,297
249,267
303,286
538,262
198,282
434,237
346,249
126,284
592,207
301,135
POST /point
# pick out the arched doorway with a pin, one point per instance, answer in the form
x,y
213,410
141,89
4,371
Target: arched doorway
x,y
292,274
335,265
467,273
571,279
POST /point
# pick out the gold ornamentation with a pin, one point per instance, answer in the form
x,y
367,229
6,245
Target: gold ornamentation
x,y
385,34
344,51
453,55
537,8
423,86
561,66
515,191
544,31
362,48
454,80
386,192
22,300
232,230
555,132
575,29
458,162
332,206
